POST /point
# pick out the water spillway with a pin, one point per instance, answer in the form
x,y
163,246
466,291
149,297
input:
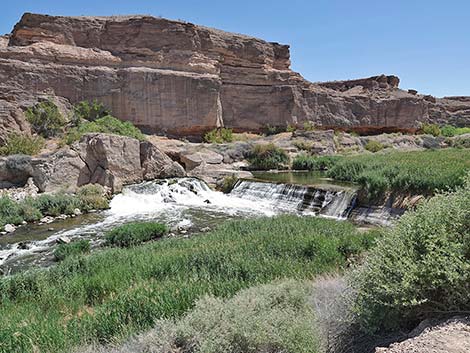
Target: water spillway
x,y
293,198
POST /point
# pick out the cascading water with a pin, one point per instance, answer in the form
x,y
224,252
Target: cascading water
x,y
298,198
186,203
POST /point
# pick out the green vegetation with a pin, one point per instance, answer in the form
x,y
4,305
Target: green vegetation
x,y
461,142
306,162
22,144
267,156
45,119
271,318
112,293
32,209
303,145
72,249
106,124
431,129
228,183
291,128
222,135
89,111
135,233
420,268
309,126
374,146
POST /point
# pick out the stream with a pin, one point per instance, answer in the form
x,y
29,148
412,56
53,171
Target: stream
x,y
186,205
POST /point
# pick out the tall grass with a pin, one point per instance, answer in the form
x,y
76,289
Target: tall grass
x,y
413,172
107,295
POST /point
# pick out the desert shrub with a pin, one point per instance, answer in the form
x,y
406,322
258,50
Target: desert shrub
x,y
74,248
290,128
302,144
420,268
267,156
9,211
107,124
89,111
45,119
29,210
309,126
274,317
135,233
431,129
228,183
222,135
92,197
374,146
22,144
57,204
306,162
461,142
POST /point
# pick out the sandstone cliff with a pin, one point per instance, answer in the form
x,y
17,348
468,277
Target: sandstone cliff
x,y
176,78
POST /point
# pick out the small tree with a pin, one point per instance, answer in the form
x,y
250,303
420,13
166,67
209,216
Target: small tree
x,y
45,119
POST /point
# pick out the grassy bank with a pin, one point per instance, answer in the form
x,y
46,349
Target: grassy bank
x,y
113,293
420,172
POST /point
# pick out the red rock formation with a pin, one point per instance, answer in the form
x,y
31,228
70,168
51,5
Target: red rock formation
x,y
181,79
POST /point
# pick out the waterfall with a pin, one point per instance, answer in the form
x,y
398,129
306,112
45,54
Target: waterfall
x,y
327,202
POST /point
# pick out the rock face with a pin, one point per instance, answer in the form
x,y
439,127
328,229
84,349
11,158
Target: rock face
x,y
109,160
181,79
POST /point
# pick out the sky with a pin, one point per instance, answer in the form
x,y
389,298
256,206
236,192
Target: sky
x,y
425,43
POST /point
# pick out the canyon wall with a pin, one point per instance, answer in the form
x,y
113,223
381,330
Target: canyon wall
x,y
179,79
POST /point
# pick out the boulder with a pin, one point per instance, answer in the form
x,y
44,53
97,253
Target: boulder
x,y
15,171
9,228
110,160
156,164
192,160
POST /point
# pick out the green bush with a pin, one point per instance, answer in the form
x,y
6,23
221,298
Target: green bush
x,y
45,119
461,142
57,204
22,144
29,210
74,248
303,145
306,162
309,126
431,129
107,124
374,146
267,156
136,233
89,111
111,294
10,212
92,197
420,268
222,135
290,128
450,131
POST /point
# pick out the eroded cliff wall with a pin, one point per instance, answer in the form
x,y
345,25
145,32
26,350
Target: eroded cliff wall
x,y
180,79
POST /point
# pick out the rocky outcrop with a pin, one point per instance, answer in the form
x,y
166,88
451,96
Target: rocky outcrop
x,y
176,78
109,160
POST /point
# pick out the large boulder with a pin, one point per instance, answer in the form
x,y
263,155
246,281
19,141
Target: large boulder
x,y
156,164
110,160
192,160
15,171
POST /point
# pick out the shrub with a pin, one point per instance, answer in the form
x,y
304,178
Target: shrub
x,y
450,131
268,156
107,124
309,126
271,318
29,210
461,142
420,268
303,145
22,144
57,204
9,211
431,129
85,110
305,162
135,233
290,128
92,197
222,135
228,183
74,248
45,119
374,146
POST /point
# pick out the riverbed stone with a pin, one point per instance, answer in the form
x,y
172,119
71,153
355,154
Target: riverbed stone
x,y
9,228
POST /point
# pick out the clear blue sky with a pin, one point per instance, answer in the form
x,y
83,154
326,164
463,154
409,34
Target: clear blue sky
x,y
425,42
